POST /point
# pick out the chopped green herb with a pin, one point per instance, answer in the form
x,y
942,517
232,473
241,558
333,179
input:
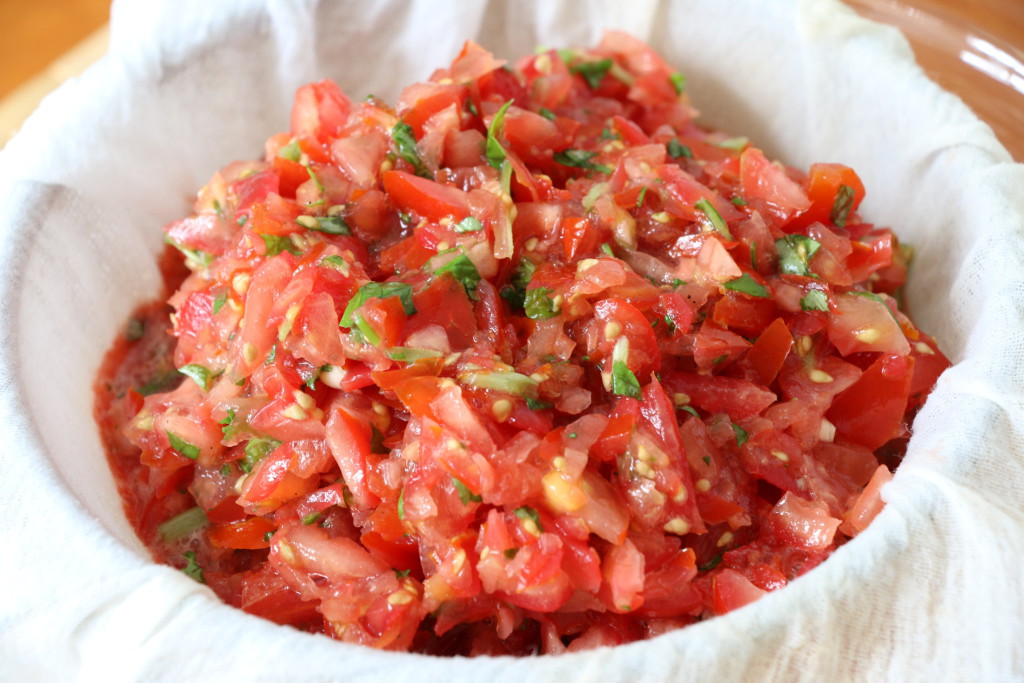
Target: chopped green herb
x,y
135,329
377,441
538,305
195,256
507,382
255,450
714,217
739,201
753,255
192,569
378,290
678,150
469,224
471,108
624,382
741,434
495,152
242,220
795,253
721,359
272,356
225,471
748,285
607,249
407,354
405,143
183,524
640,198
735,144
310,518
511,553
182,447
593,194
712,563
842,206
401,504
226,422
275,244
678,82
219,302
267,536
463,270
816,300
676,282
402,573
592,72
547,113
528,513
332,225
465,495
337,263
515,292
670,324
690,409
580,158
291,151
571,435
199,374
536,405
609,134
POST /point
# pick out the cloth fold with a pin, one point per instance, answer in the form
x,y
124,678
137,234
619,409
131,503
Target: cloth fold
x,y
933,589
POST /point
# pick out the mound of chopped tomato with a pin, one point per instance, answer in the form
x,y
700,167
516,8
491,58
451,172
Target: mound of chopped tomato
x,y
528,363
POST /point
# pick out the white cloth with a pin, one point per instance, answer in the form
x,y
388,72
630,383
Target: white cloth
x,y
934,590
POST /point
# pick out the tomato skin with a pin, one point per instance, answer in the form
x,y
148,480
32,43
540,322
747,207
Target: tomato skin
x,y
424,197
614,314
870,412
349,441
732,590
247,534
769,352
822,185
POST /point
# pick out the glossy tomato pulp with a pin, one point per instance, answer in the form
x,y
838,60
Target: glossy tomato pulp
x,y
528,363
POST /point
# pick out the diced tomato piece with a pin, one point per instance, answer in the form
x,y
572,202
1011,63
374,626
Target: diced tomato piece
x,y
424,197
732,590
871,412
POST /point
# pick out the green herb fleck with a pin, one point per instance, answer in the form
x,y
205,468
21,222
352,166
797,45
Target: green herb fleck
x,y
182,447
678,150
275,244
469,224
332,225
272,356
738,201
714,217
378,290
538,305
405,143
291,151
607,249
547,113
690,409
592,72
255,450
842,206
741,434
463,270
580,158
640,199
192,569
624,382
495,152
816,300
747,285
310,518
795,253
534,404
526,512
199,374
511,553
402,573
465,495
219,302
401,504
712,563
515,292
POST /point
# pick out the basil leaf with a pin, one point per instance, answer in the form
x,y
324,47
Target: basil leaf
x,y
747,285
547,113
469,224
842,206
182,447
712,563
580,158
196,256
255,450
538,305
678,150
507,382
401,504
515,292
640,198
741,434
528,513
219,302
816,300
463,270
592,72
332,225
714,217
277,243
405,143
291,151
183,524
678,81
192,569
537,405
691,410
378,290
199,374
738,201
310,518
407,354
465,495
495,152
624,382
795,253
